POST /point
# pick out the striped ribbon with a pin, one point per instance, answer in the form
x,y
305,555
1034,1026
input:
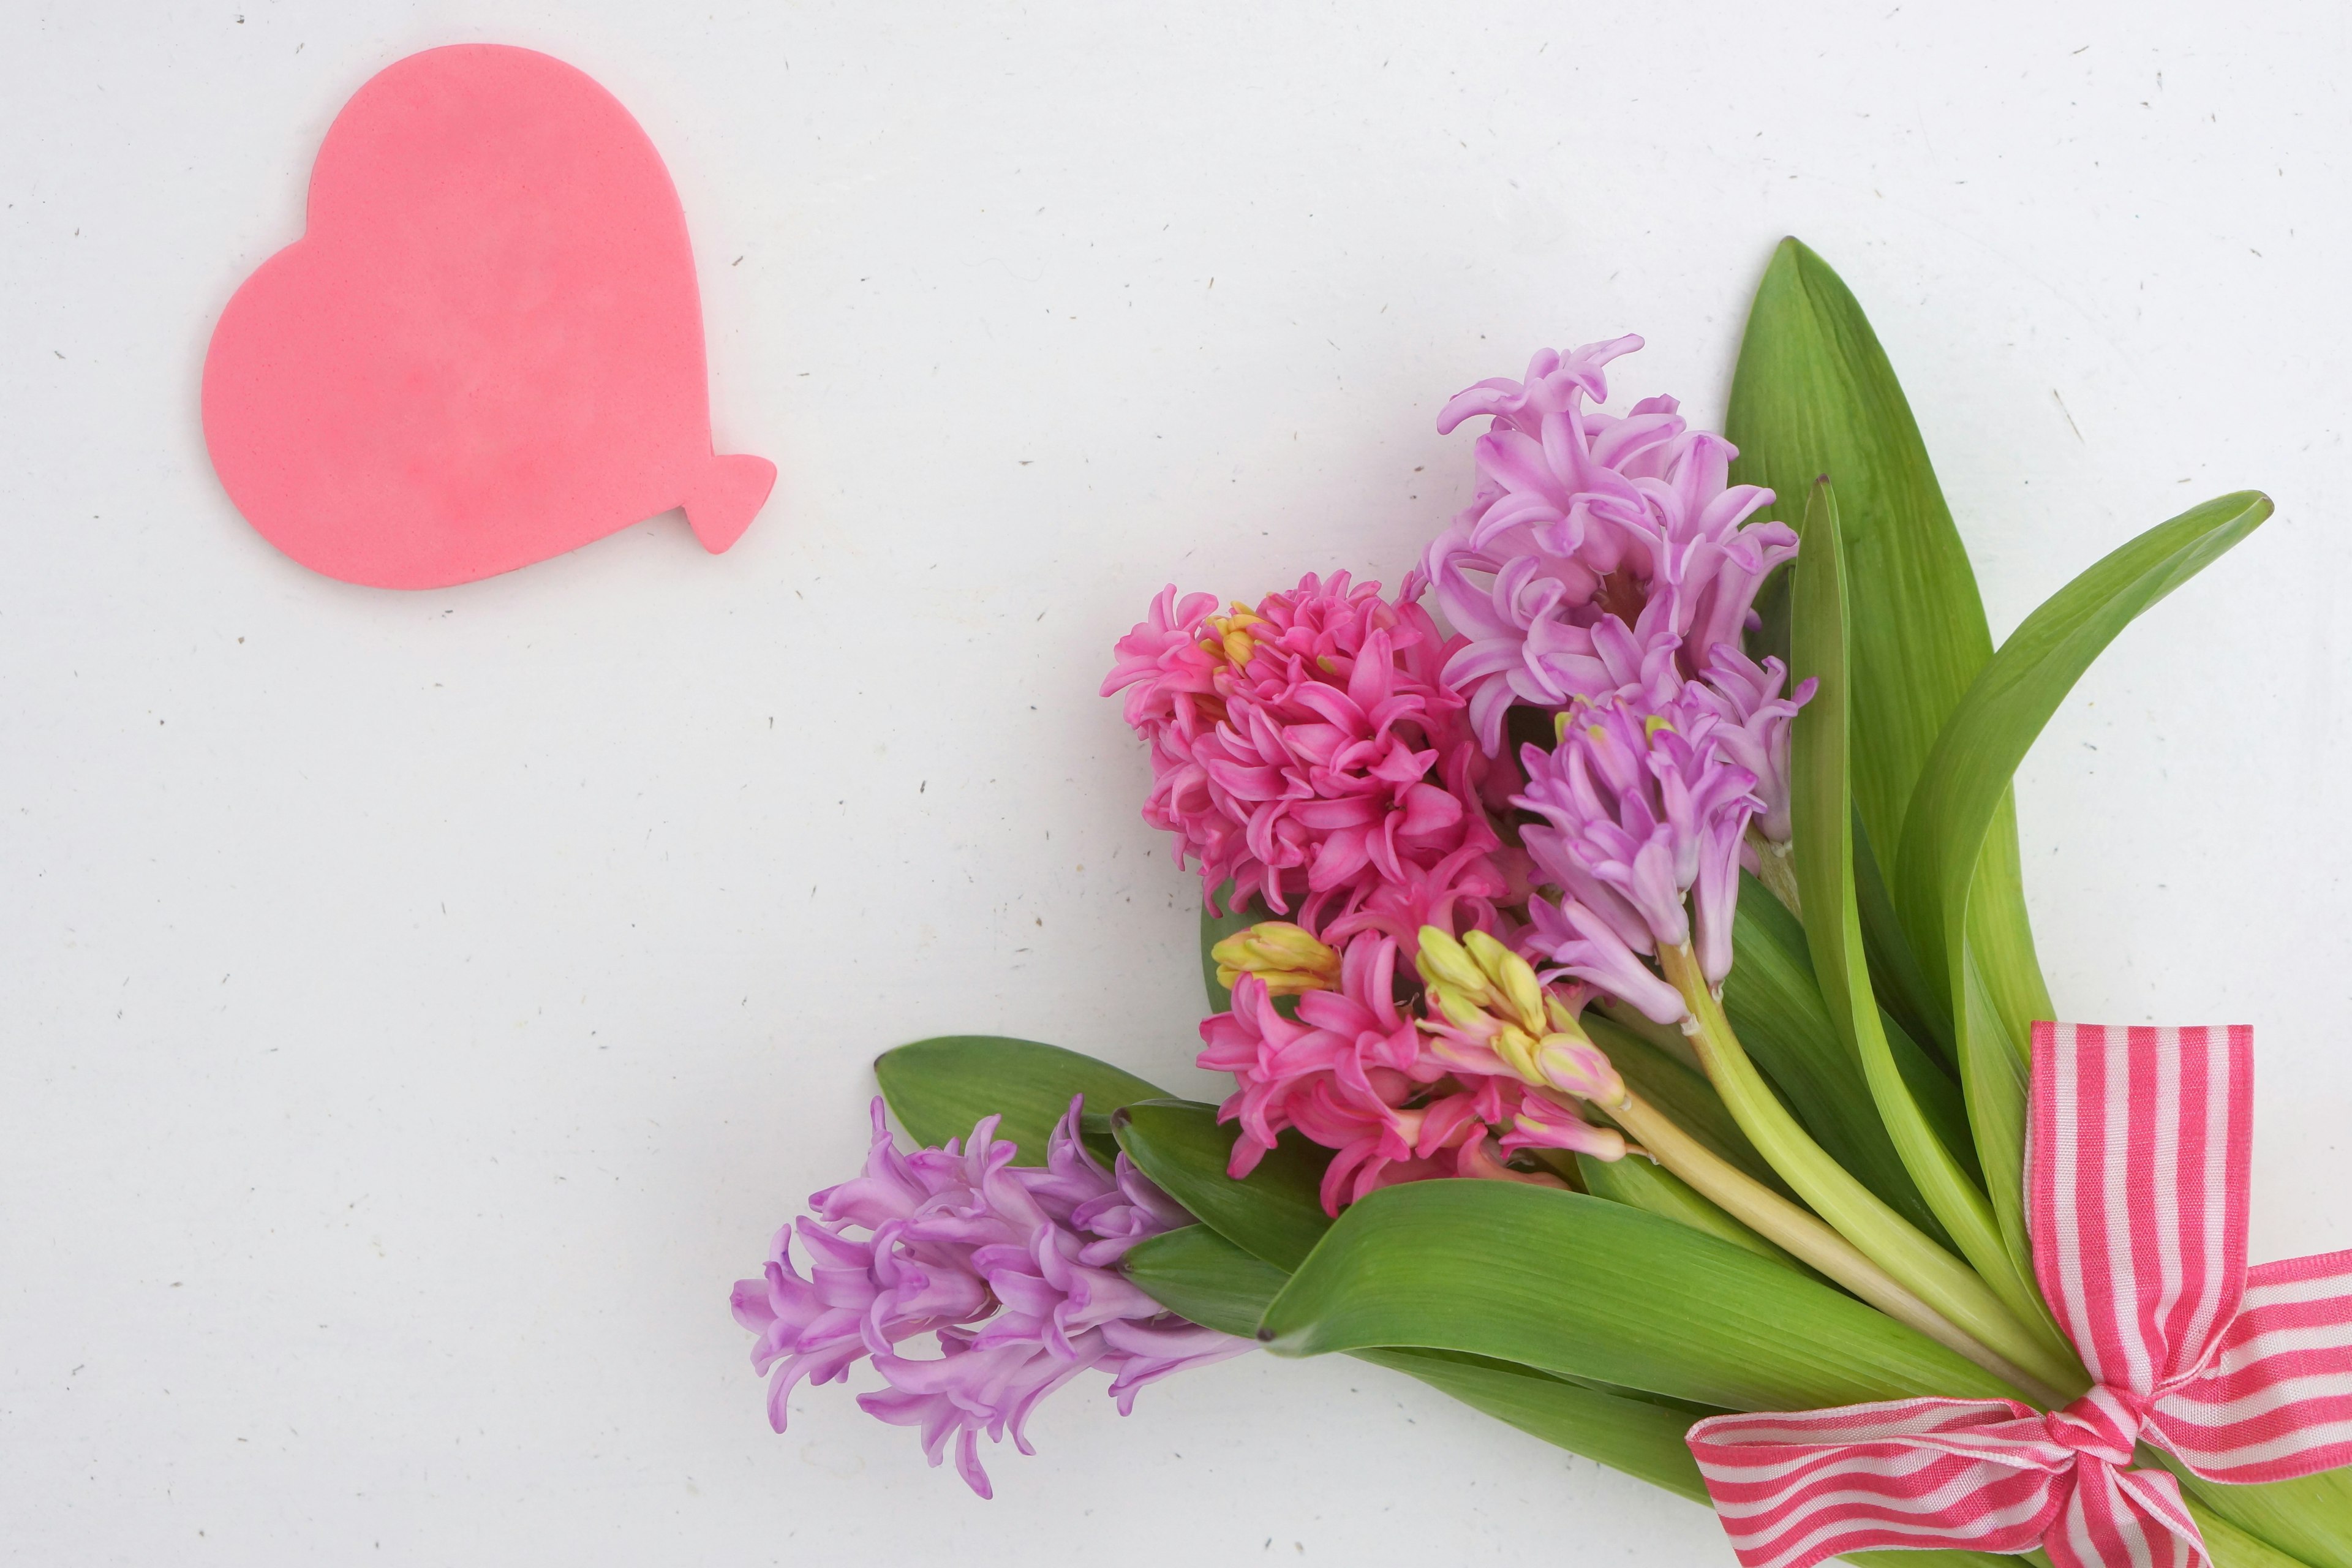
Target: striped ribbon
x,y
2137,1195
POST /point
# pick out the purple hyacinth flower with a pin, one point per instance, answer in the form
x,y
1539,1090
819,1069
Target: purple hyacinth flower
x,y
1644,805
1582,519
1013,1270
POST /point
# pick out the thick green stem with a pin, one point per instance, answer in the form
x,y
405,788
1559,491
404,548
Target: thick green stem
x,y
1892,1244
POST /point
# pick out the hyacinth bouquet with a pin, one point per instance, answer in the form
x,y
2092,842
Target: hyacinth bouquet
x,y
1616,941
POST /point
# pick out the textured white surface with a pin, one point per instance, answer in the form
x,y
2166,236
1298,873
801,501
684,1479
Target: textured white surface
x,y
418,1008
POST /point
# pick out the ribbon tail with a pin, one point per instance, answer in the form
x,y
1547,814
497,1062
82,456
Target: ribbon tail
x,y
2116,1518
1794,1490
2277,1403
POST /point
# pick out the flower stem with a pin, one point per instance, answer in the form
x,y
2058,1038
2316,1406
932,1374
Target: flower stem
x,y
1948,1286
1803,1236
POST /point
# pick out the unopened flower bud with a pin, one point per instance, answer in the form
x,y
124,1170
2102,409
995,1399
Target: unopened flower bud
x,y
1287,958
1512,977
1517,1049
1445,963
1545,1123
1574,1065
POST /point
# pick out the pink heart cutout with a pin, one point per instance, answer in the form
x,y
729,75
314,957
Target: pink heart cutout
x,y
486,349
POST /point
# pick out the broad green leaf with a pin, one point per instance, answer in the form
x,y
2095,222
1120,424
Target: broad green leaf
x,y
1641,1438
2307,1520
1775,1006
1208,1279
1683,1093
1651,1187
1823,848
939,1089
1274,1212
1960,796
1956,817
1581,1286
1814,395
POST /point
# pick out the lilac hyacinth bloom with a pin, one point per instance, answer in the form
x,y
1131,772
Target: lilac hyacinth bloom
x,y
1756,722
1583,520
1646,801
1012,1269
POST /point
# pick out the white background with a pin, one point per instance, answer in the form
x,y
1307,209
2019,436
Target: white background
x,y
420,1007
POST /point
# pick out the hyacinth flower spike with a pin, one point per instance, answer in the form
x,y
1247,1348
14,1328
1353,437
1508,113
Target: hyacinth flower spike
x,y
1013,1270
1646,804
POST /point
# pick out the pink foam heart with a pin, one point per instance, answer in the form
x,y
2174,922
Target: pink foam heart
x,y
486,347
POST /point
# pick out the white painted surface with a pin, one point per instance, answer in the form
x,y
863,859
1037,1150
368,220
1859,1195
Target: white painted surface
x,y
418,1008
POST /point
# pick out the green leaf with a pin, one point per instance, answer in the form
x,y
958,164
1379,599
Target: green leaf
x,y
2015,1324
2308,1519
1961,796
1577,1286
1642,1438
1948,867
1894,970
1274,1212
1197,1273
1683,1093
939,1089
1932,1089
1813,395
1775,1006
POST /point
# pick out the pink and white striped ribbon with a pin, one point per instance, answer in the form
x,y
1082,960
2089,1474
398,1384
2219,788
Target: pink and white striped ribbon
x,y
2137,1198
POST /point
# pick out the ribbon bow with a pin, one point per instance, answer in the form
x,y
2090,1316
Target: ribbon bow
x,y
2136,1196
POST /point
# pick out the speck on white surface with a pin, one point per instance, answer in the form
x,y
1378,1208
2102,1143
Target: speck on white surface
x,y
418,1008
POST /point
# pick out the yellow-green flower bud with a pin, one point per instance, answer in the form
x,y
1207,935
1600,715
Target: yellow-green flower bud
x,y
1287,958
1512,977
1444,963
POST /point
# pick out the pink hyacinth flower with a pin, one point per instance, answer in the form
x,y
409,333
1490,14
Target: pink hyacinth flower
x,y
1012,1269
1310,750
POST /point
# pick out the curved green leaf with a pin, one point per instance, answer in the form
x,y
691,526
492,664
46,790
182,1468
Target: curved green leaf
x,y
2308,1519
1577,1286
1642,1438
1823,848
1959,795
939,1087
1198,1274
1274,1212
1957,814
1813,395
